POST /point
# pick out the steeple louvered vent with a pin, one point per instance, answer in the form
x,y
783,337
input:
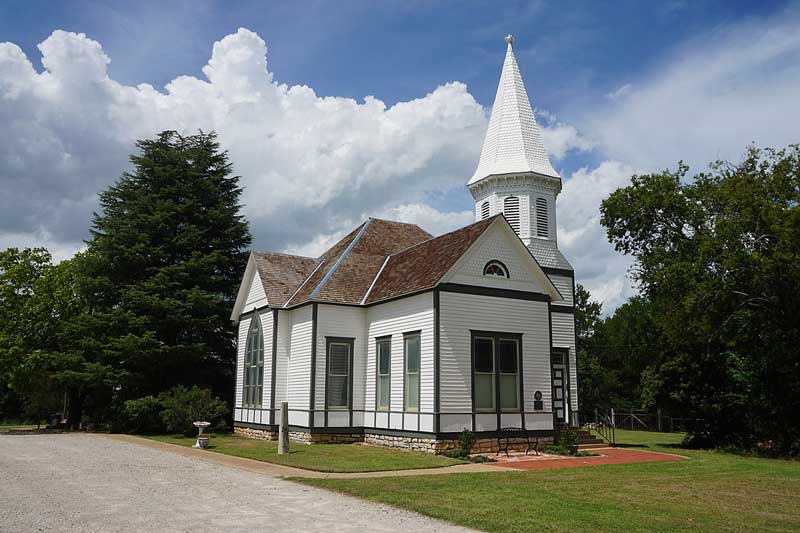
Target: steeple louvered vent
x,y
542,229
511,211
485,210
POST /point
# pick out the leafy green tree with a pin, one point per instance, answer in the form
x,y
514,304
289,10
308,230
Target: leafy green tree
x,y
718,258
163,266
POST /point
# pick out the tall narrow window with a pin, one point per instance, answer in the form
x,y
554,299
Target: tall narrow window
x,y
511,211
411,344
496,372
338,382
508,355
485,210
253,365
483,363
542,229
383,386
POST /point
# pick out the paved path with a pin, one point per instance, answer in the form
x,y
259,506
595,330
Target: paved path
x,y
608,456
79,482
271,469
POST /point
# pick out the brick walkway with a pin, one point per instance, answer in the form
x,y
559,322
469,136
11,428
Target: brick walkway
x,y
608,456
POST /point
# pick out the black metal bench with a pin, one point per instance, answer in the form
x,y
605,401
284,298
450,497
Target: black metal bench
x,y
504,436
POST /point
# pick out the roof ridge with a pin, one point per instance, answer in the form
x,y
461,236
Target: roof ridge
x,y
284,254
341,258
398,252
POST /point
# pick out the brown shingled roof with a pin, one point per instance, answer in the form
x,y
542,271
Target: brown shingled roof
x,y
422,266
281,274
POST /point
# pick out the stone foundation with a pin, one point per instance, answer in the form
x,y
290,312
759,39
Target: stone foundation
x,y
250,433
421,444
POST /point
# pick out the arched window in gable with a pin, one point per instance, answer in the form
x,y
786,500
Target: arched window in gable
x,y
511,211
495,268
484,210
254,365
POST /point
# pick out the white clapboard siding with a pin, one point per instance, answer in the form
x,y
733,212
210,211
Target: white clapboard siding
x,y
496,244
396,318
564,286
256,297
282,358
266,330
341,321
299,375
564,337
460,313
244,327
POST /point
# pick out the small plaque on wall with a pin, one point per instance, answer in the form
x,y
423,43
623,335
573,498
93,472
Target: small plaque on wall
x,y
538,404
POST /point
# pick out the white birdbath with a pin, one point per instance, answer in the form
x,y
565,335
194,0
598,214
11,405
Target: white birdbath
x,y
202,442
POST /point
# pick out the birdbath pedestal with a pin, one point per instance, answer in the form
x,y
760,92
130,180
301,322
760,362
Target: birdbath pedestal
x,y
202,442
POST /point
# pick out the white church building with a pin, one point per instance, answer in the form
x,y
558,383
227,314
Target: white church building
x,y
396,337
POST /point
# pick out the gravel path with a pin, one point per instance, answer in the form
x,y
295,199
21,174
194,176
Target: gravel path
x,y
90,483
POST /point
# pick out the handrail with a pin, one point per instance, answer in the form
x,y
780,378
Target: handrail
x,y
606,426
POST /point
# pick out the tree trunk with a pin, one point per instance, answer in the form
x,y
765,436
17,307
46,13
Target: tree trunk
x,y
75,410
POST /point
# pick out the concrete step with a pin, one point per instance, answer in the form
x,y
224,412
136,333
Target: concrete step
x,y
593,446
591,441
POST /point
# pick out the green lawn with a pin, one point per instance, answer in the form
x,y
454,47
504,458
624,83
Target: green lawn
x,y
319,457
710,491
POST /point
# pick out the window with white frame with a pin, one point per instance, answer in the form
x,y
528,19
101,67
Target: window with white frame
x,y
495,268
383,364
339,373
412,348
508,363
496,376
483,379
253,365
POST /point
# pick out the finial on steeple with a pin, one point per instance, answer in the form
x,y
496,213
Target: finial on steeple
x,y
510,39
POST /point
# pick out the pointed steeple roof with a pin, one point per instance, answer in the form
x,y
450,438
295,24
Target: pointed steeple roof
x,y
513,142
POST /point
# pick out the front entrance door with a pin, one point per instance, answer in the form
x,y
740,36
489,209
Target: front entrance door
x,y
559,386
559,398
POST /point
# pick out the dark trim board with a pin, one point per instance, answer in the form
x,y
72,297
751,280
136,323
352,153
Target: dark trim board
x,y
490,291
442,435
562,309
312,392
559,272
436,370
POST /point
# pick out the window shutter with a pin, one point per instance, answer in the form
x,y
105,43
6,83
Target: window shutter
x,y
511,211
541,218
485,210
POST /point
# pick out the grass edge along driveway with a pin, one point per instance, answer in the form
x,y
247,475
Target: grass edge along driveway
x,y
318,457
711,491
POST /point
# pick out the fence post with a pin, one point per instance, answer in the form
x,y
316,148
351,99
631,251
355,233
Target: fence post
x,y
659,420
283,429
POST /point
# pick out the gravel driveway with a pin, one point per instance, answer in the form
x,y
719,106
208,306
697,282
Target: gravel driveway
x,y
90,483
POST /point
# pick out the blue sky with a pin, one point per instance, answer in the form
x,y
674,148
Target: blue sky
x,y
615,84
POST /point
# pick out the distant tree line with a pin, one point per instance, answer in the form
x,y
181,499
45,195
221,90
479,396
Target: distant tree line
x,y
715,331
145,307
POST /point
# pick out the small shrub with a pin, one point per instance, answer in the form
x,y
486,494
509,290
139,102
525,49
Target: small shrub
x,y
481,459
465,441
143,415
184,406
568,438
456,453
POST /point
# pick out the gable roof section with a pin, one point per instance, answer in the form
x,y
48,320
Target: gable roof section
x,y
422,266
350,266
282,274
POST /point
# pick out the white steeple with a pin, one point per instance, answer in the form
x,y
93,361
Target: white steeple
x,y
514,176
513,142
